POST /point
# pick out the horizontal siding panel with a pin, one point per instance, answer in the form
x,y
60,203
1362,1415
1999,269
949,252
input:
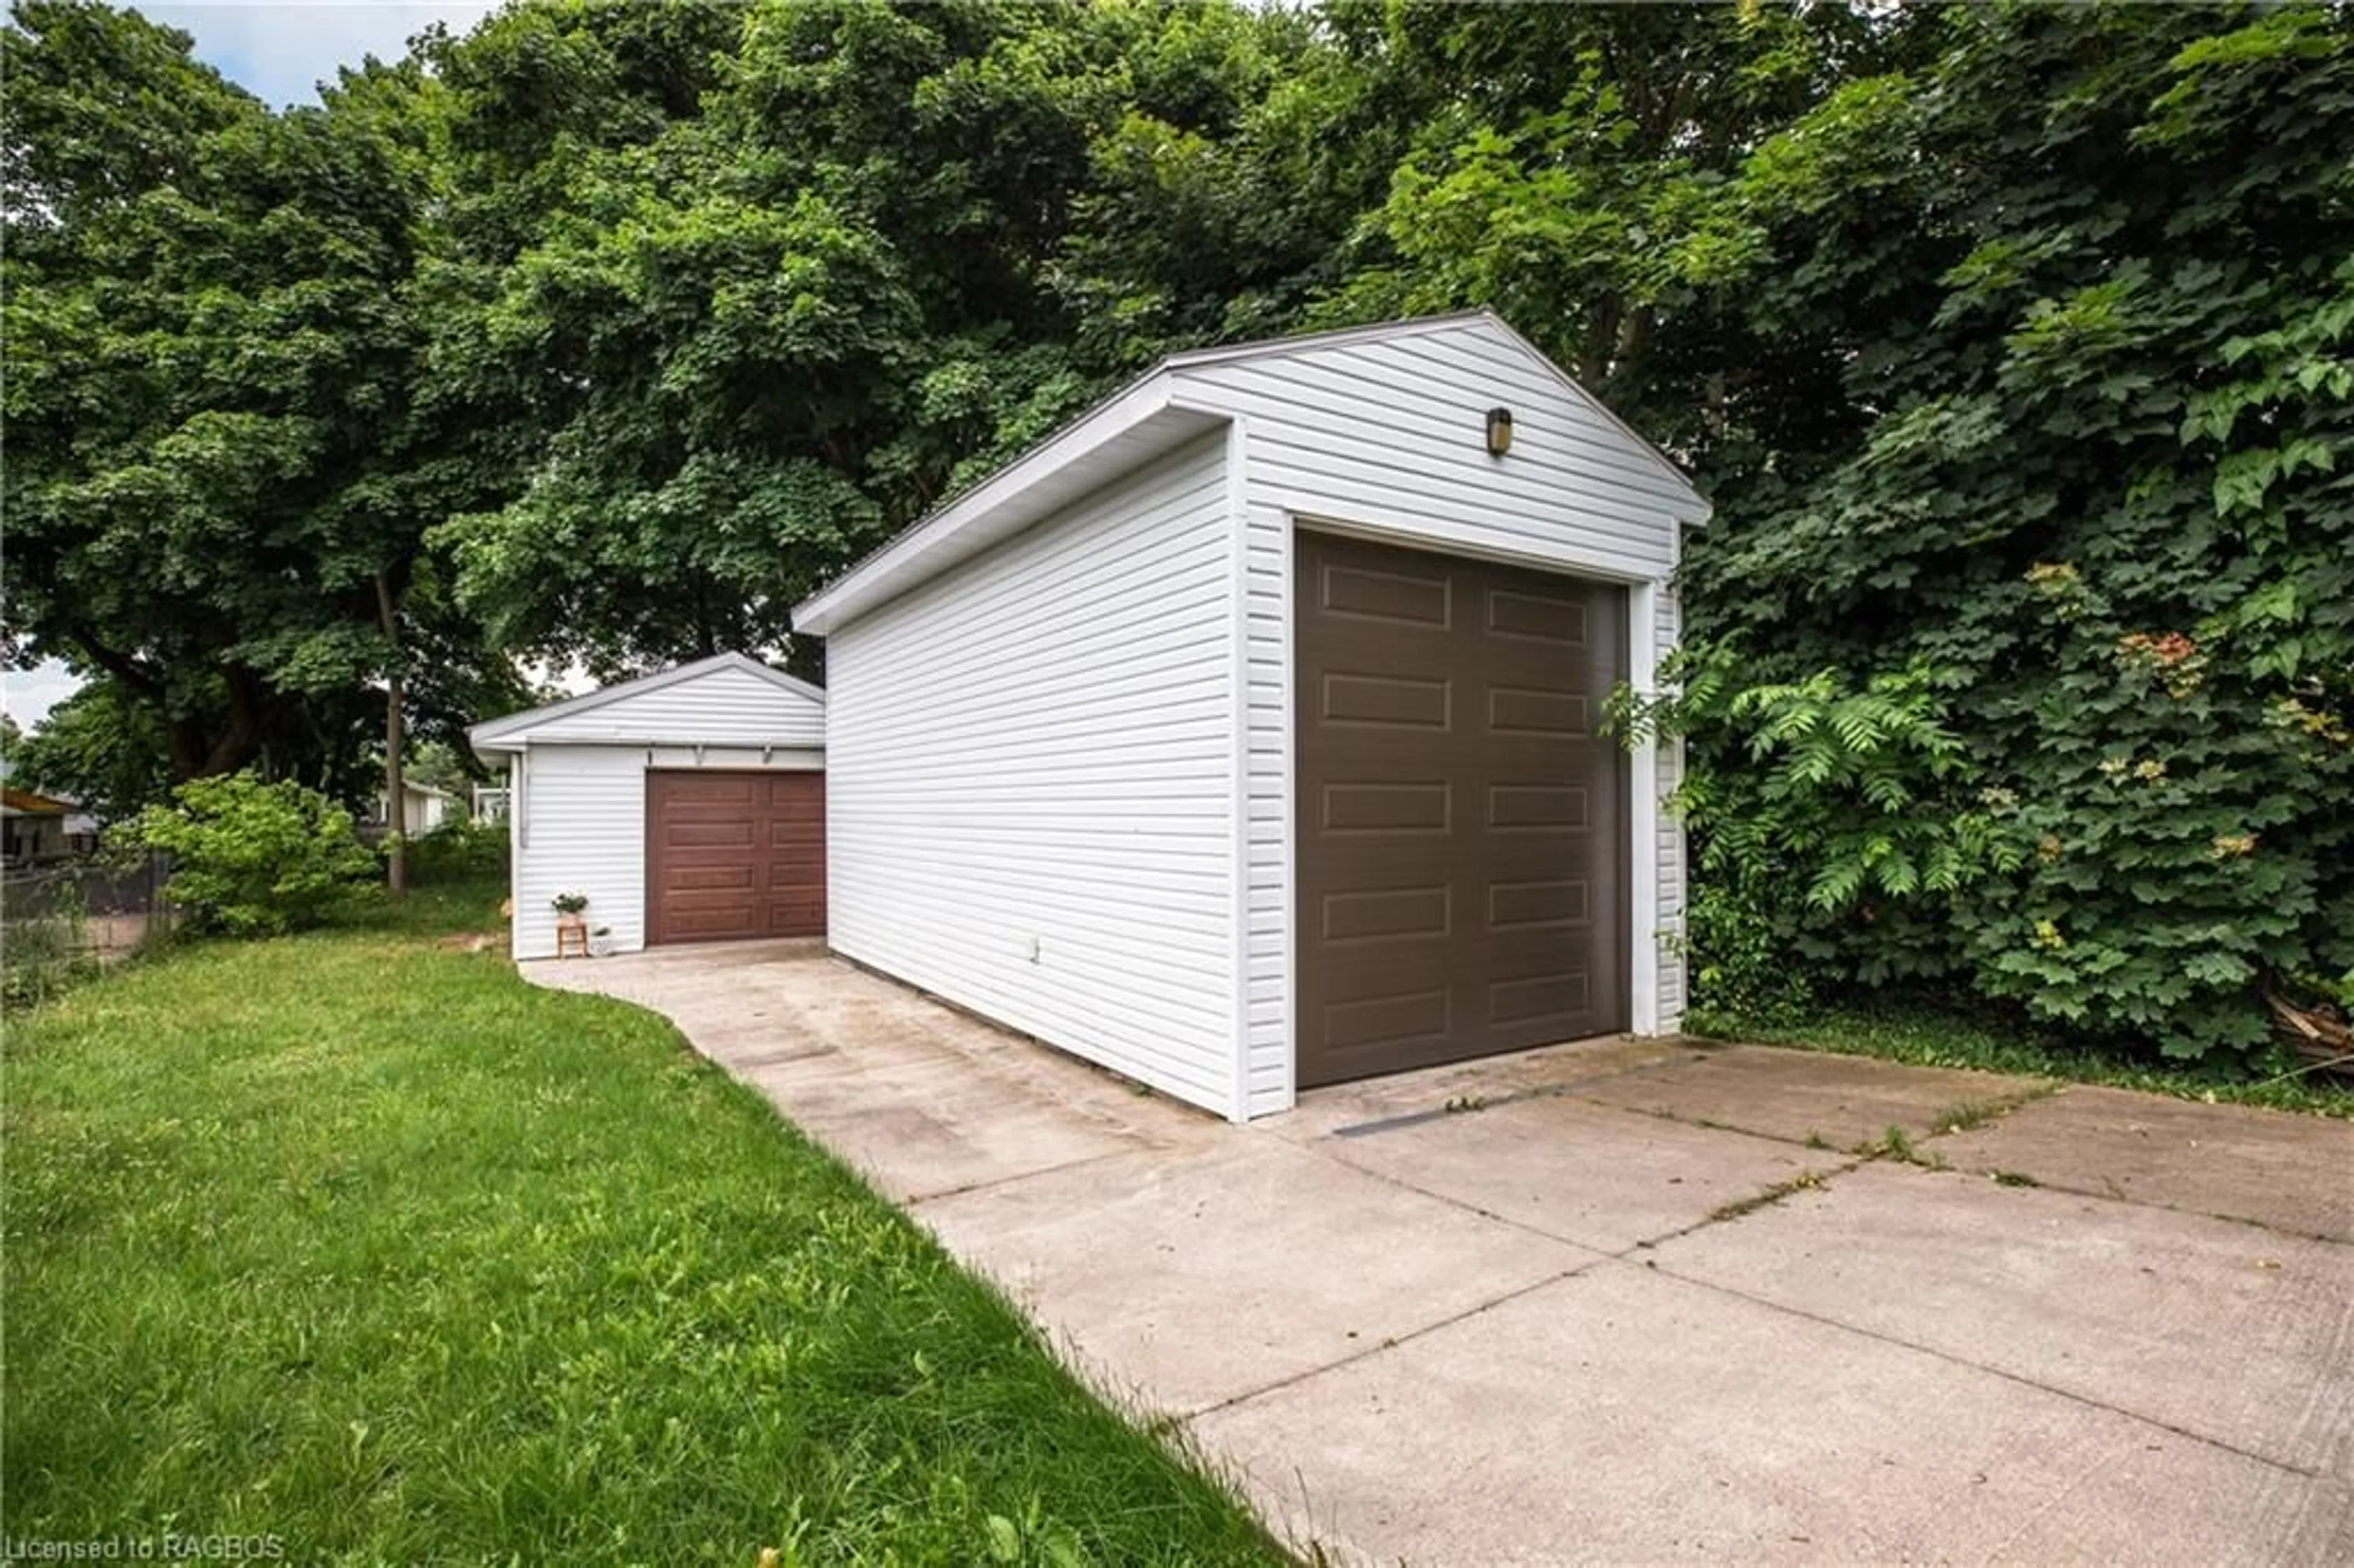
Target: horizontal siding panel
x,y
1450,396
1061,608
1174,981
1030,781
1464,363
1441,522
1169,873
723,707
1060,722
1334,457
1572,507
585,819
1546,448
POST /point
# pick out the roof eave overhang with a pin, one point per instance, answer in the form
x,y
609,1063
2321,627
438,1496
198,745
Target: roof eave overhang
x,y
1127,429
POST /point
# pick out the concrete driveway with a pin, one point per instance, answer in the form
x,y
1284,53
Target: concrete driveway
x,y
1629,1301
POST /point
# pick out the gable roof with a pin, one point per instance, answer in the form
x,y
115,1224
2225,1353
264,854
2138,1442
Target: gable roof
x,y
25,803
509,734
1150,416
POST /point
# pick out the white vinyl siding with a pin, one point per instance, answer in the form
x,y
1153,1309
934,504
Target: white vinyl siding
x,y
1390,433
577,805
723,707
1030,781
1060,771
579,827
1387,437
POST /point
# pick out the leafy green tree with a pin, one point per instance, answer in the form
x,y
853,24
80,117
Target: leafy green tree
x,y
2104,490
1219,199
222,460
709,334
97,747
1578,171
751,309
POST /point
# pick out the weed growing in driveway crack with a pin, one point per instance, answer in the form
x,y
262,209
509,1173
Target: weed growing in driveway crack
x,y
1963,1115
1765,1198
1897,1144
2014,1178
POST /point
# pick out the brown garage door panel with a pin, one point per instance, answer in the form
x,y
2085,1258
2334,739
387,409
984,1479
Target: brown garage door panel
x,y
1461,826
733,855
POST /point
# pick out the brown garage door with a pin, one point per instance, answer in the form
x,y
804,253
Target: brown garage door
x,y
1461,825
732,855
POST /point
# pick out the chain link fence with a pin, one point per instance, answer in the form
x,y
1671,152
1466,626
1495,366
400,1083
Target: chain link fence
x,y
94,904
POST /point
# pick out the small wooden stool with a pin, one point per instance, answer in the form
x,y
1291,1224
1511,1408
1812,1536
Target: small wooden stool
x,y
572,932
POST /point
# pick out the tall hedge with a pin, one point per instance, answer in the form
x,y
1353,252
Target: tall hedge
x,y
2096,539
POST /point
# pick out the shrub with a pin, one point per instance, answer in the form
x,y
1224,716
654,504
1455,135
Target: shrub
x,y
2163,858
252,858
1832,825
459,850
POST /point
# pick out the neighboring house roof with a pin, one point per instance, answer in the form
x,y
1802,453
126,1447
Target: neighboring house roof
x,y
509,734
1148,416
18,802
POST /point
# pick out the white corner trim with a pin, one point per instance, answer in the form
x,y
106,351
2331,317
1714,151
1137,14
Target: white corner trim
x,y
1238,716
519,798
1287,808
1643,818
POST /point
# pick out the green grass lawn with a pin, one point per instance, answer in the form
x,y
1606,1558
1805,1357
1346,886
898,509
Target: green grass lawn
x,y
362,1243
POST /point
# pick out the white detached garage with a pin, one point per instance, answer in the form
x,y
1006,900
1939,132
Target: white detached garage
x,y
688,806
1243,737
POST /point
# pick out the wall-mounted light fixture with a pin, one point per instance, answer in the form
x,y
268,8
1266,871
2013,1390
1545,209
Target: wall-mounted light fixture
x,y
1500,431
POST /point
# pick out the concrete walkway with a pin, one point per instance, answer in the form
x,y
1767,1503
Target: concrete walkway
x,y
1629,1301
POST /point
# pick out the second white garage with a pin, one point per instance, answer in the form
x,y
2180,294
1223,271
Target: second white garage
x,y
687,806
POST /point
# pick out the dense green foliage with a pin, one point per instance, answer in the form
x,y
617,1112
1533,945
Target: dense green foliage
x,y
252,858
225,441
2103,509
2012,343
376,1247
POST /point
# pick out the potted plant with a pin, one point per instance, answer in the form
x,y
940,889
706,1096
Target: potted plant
x,y
601,942
571,927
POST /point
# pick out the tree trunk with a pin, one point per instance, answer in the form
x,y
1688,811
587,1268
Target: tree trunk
x,y
396,862
240,742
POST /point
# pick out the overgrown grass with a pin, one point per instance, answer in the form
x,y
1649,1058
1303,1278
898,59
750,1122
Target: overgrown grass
x,y
1926,1035
41,959
358,1241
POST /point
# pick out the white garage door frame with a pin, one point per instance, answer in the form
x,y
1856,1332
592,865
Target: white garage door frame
x,y
1645,597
